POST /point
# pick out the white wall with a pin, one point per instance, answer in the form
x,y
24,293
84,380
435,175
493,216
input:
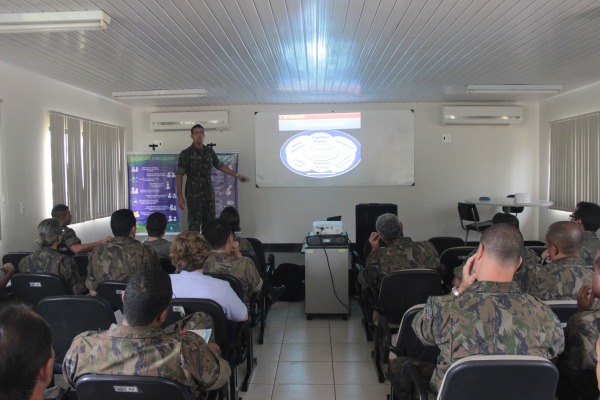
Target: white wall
x,y
578,102
25,150
480,160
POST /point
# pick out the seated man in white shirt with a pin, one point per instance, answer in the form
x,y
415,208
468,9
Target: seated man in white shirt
x,y
188,254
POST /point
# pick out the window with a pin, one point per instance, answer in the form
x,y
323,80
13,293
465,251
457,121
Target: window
x,y
575,161
88,166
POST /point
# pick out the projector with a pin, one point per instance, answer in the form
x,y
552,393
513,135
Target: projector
x,y
327,227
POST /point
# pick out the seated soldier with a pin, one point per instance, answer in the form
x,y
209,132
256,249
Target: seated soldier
x,y
140,347
487,314
529,256
188,255
156,225
566,273
399,252
48,260
122,256
27,361
587,216
70,243
578,362
231,215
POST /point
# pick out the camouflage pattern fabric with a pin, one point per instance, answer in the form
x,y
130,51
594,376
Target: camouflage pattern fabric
x,y
488,318
147,351
48,260
161,246
581,335
197,320
197,165
241,267
399,254
119,258
590,245
401,379
69,239
560,280
529,257
245,244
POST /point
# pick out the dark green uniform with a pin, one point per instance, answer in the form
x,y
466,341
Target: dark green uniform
x,y
48,260
241,267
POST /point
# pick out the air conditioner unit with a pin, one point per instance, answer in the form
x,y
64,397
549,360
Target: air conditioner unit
x,y
183,121
482,115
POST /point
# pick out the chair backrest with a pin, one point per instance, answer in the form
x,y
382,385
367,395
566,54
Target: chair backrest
x,y
564,309
15,258
530,243
259,250
442,243
101,387
252,256
82,260
112,291
166,265
468,212
537,249
401,290
512,210
68,316
33,287
452,258
500,377
408,345
234,282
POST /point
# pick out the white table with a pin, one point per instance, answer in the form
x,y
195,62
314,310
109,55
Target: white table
x,y
508,202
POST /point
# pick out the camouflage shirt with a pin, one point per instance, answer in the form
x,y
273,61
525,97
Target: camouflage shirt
x,y
48,260
69,239
147,351
581,335
242,268
488,318
245,244
397,255
528,256
590,245
197,165
560,280
117,259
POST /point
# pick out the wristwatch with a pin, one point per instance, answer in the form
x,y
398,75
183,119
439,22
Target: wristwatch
x,y
455,291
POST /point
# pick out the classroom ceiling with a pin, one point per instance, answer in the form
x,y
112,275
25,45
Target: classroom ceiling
x,y
316,51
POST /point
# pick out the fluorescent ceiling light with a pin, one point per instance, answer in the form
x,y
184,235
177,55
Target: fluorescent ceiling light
x,y
514,88
53,21
159,94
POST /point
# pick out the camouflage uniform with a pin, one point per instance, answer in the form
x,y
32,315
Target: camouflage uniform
x,y
197,165
48,260
590,245
69,239
183,357
488,318
117,259
242,268
529,257
560,280
245,244
399,254
161,246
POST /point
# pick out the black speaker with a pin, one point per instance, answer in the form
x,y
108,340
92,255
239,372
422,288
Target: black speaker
x,y
366,215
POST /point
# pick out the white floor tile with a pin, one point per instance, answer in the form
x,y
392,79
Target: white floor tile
x,y
303,392
352,351
375,391
305,352
297,308
354,372
300,321
306,335
347,335
267,351
264,373
257,391
272,335
304,373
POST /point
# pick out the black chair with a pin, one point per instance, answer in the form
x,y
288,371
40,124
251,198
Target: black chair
x,y
33,287
564,309
112,291
495,378
15,258
101,387
512,210
468,212
399,291
441,243
533,243
166,265
259,250
68,316
452,258
82,260
537,249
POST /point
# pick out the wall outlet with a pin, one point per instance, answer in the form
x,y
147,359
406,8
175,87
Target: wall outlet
x,y
447,138
22,207
158,143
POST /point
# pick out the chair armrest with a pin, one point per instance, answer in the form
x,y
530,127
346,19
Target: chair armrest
x,y
415,377
386,338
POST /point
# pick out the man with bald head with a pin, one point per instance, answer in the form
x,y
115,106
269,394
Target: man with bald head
x,y
566,274
487,314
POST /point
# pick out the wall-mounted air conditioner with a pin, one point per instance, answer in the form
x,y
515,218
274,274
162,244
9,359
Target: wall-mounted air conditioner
x,y
482,115
183,121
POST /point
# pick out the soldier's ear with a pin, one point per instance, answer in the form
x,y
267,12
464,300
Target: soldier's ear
x,y
162,316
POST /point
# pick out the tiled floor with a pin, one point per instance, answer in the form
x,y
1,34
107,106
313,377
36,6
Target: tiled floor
x,y
325,358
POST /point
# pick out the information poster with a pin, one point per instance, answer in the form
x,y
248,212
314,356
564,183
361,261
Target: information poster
x,y
152,187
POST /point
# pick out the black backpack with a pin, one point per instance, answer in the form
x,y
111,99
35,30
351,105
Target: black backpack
x,y
292,276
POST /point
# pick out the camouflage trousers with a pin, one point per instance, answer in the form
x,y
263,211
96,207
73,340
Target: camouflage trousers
x,y
200,211
399,376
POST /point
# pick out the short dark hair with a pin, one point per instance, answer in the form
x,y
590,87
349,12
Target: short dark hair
x,y
156,224
589,214
148,293
505,218
565,235
121,222
217,232
196,126
503,242
231,215
59,211
25,345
